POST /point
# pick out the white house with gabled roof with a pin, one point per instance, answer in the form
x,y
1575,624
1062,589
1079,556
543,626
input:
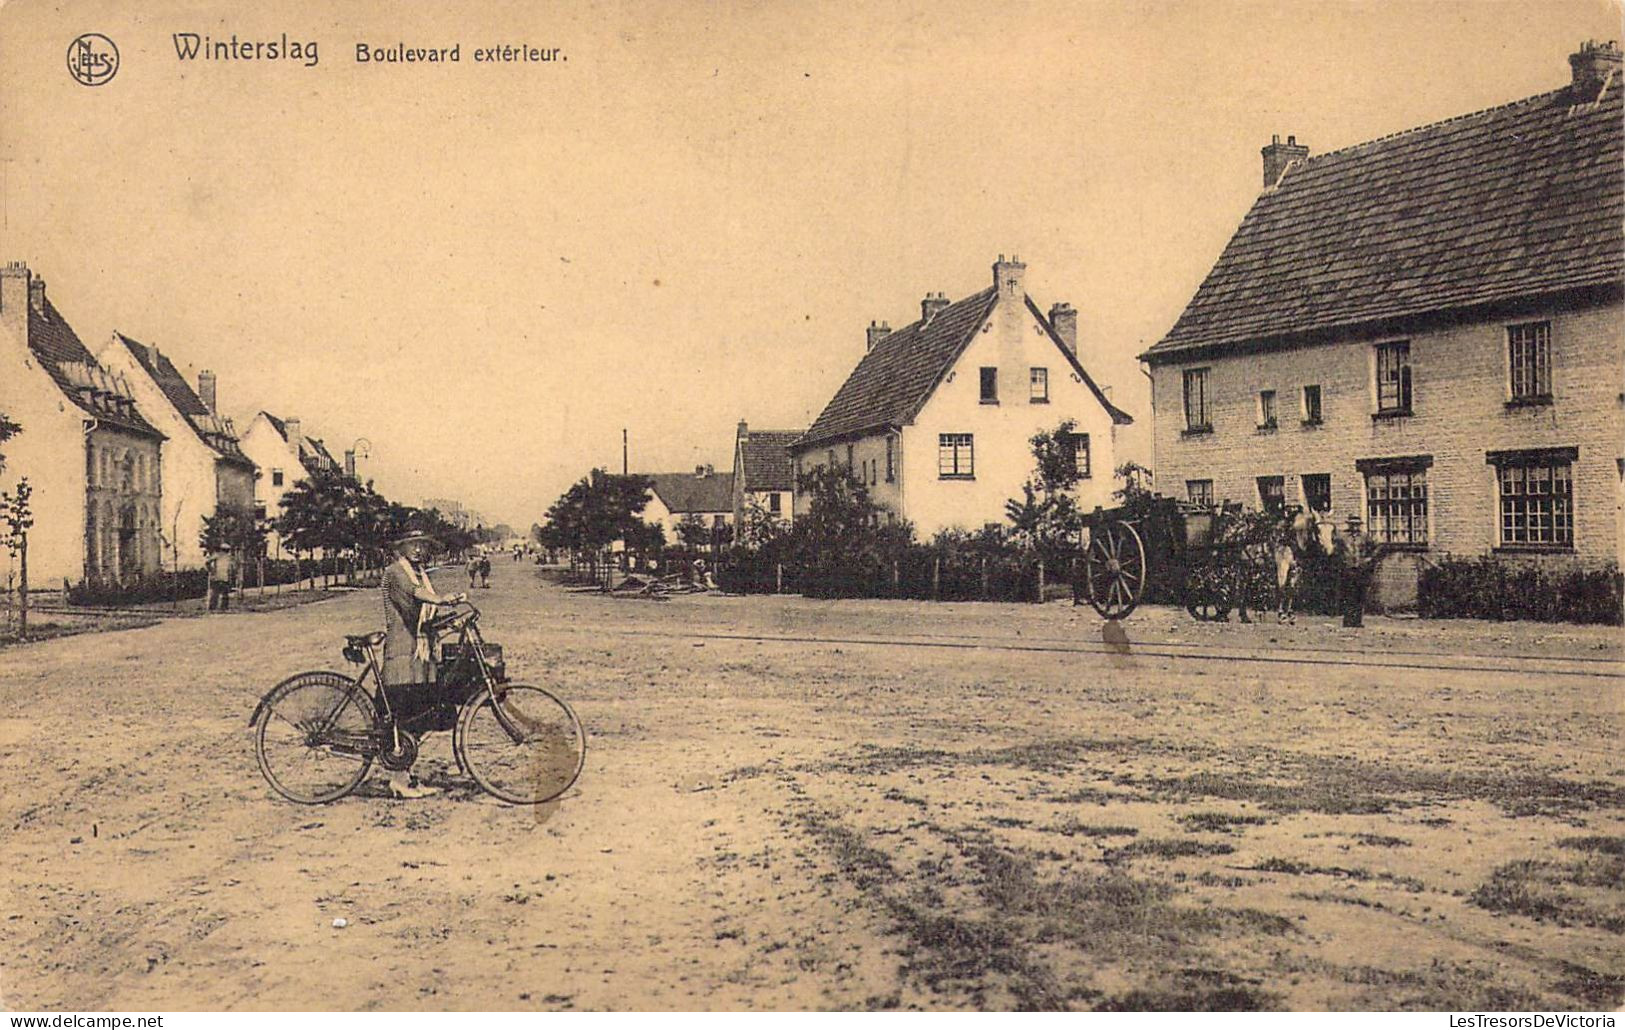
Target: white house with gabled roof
x,y
937,417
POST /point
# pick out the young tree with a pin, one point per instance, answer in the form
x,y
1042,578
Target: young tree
x,y
8,429
1047,517
16,519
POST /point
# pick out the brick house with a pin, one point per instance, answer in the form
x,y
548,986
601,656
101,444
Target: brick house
x,y
937,416
764,473
204,466
1423,331
93,459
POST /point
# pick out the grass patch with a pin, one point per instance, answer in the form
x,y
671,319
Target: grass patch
x,y
1593,989
1381,840
1071,827
1358,873
1220,822
1539,889
1600,845
1166,847
1196,990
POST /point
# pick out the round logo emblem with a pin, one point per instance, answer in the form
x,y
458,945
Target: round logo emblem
x,y
92,59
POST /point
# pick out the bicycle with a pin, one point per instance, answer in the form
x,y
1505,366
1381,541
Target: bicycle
x,y
317,733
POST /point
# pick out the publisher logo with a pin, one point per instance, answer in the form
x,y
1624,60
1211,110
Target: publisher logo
x,y
92,59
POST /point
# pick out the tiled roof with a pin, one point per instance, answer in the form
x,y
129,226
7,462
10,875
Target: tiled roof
x,y
218,433
684,492
898,375
1503,204
766,459
313,453
87,384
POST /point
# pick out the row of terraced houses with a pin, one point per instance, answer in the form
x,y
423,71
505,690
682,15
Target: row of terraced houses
x,y
126,455
1423,332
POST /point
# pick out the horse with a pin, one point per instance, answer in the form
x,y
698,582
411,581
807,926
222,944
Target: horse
x,y
1301,531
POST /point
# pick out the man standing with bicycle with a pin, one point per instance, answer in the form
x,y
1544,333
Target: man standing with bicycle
x,y
409,600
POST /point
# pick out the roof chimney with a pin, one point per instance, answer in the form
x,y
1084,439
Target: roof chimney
x,y
1063,318
205,390
1278,155
1008,277
36,295
744,430
933,303
349,464
14,290
295,437
1592,64
877,332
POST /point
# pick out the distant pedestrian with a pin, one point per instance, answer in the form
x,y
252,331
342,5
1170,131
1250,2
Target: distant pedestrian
x,y
219,568
473,571
485,572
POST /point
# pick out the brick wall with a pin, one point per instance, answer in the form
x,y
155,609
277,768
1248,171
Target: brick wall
x,y
1460,390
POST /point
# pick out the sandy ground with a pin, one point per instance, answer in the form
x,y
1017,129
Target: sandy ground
x,y
799,804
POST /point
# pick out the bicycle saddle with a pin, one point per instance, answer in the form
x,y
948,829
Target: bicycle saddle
x,y
364,639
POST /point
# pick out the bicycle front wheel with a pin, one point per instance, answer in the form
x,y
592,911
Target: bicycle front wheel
x,y
525,746
315,738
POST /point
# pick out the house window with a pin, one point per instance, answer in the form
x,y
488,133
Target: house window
x,y
891,460
1311,405
1080,454
1038,380
831,462
1317,491
956,456
1536,497
1196,412
1199,491
1266,409
775,503
990,386
1272,493
1529,359
276,477
849,465
1396,500
1394,378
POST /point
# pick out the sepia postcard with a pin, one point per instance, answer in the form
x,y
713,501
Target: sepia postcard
x,y
1111,506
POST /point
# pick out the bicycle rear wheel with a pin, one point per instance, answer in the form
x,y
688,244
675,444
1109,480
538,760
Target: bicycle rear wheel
x,y
315,741
529,753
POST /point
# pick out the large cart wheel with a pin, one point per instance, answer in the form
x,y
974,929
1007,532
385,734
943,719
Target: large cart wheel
x,y
314,741
1114,569
526,747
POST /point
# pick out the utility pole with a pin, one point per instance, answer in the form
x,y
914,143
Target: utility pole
x,y
623,452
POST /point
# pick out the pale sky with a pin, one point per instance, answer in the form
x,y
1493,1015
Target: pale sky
x,y
488,270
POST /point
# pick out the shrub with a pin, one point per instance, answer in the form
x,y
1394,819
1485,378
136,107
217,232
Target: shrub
x,y
1496,588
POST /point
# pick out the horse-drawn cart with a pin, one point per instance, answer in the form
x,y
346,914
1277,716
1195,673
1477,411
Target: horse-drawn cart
x,y
1211,559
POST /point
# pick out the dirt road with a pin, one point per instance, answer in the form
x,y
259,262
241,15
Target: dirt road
x,y
797,804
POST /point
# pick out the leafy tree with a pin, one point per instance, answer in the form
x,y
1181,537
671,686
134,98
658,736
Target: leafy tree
x,y
760,528
236,529
595,512
845,539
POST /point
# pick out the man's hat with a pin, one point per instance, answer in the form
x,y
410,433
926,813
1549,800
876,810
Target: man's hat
x,y
408,536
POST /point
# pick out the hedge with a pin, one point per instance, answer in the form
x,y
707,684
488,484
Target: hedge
x,y
1501,589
